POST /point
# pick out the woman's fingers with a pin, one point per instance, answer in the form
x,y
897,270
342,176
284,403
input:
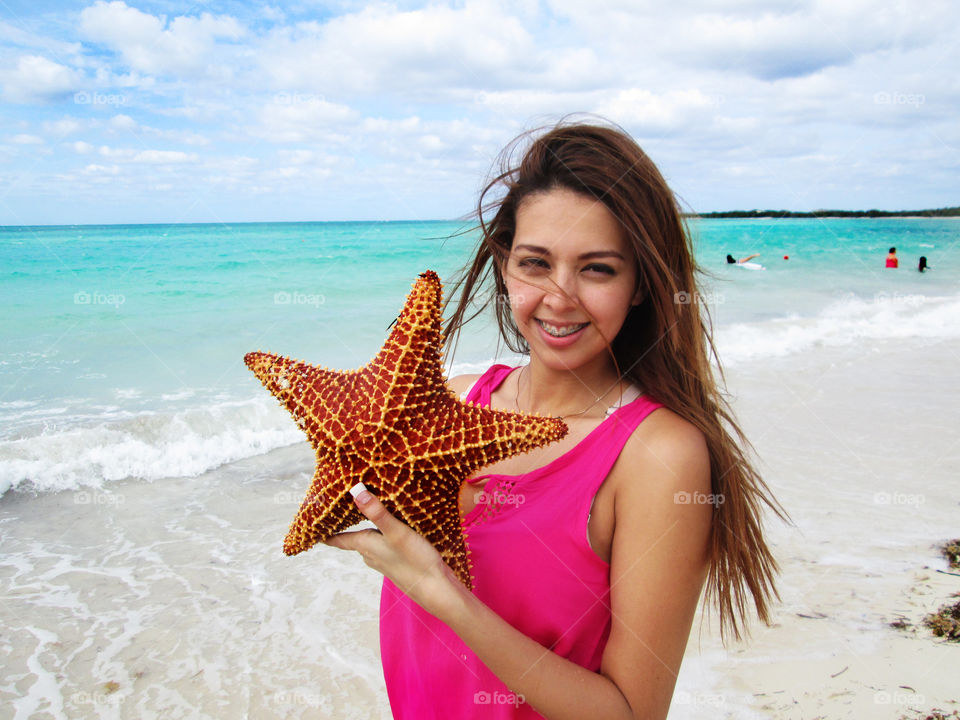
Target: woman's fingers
x,y
374,511
370,543
399,553
354,540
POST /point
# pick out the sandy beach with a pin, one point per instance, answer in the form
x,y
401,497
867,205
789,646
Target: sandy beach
x,y
172,599
860,446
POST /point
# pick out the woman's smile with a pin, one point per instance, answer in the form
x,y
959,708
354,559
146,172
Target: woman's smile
x,y
560,330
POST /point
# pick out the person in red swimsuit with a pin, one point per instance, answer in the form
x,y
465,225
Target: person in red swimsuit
x,y
892,260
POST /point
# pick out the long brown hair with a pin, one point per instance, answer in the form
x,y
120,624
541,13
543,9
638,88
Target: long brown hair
x,y
665,345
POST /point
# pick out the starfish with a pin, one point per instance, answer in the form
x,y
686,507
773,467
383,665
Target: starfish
x,y
395,426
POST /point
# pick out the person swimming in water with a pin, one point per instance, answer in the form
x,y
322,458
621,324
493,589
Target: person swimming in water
x,y
741,261
923,264
892,261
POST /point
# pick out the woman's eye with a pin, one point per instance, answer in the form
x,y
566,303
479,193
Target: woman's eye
x,y
599,268
533,262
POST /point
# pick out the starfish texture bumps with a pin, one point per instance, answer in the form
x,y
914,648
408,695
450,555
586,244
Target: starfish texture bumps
x,y
395,426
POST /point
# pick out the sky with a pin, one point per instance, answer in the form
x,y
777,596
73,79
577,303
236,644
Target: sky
x,y
137,111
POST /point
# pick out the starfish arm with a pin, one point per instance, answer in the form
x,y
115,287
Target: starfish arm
x,y
308,392
408,370
428,502
327,509
477,436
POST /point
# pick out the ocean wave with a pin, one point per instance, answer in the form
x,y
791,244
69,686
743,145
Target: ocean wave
x,y
146,446
884,316
90,445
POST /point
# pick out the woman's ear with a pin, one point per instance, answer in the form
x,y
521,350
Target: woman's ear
x,y
639,296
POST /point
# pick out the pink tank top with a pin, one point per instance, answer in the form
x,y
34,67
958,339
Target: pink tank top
x,y
532,565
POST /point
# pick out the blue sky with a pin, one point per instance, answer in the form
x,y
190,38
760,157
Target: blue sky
x,y
131,111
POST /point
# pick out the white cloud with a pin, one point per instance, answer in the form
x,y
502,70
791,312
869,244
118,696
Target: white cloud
x,y
25,139
94,169
271,12
164,157
62,127
382,48
123,122
648,112
185,137
16,36
303,157
82,148
38,80
310,120
127,125
149,44
762,39
116,153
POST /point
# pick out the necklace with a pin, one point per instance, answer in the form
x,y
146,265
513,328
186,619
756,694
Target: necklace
x,y
516,399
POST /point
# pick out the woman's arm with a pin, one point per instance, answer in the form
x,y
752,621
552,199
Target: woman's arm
x,y
658,564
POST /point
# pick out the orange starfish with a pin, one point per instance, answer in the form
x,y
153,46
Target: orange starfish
x,y
396,427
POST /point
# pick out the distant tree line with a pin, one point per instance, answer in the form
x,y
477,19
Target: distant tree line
x,y
940,212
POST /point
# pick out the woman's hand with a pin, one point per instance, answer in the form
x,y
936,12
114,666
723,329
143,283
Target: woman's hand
x,y
399,553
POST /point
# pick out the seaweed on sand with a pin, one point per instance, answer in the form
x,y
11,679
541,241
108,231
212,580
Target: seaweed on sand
x,y
945,622
935,714
951,551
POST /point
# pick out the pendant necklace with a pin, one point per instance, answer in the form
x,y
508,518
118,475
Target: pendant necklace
x,y
611,409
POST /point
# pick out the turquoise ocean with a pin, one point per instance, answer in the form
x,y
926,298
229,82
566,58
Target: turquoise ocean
x,y
122,345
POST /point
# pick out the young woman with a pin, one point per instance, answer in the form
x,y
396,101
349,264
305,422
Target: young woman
x,y
589,556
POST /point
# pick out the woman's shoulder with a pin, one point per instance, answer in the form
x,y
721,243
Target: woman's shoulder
x,y
671,447
461,383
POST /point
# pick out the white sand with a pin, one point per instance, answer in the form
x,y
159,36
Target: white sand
x,y
861,447
172,599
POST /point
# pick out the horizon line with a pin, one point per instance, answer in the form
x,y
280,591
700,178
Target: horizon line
x,y
713,214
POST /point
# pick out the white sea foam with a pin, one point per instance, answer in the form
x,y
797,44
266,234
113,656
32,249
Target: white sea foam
x,y
885,316
147,446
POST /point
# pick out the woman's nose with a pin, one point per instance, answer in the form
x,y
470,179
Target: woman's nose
x,y
561,292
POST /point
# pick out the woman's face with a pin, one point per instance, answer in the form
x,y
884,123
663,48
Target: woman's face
x,y
571,277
